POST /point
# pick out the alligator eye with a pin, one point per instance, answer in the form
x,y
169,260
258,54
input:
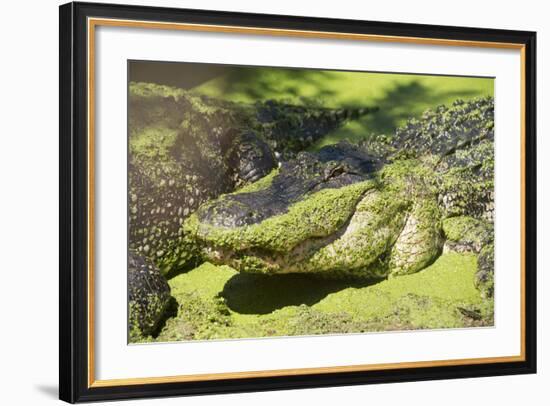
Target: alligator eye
x,y
334,172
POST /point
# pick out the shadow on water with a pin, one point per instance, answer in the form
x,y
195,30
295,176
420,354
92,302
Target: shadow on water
x,y
259,84
398,104
262,294
182,75
397,101
406,100
171,311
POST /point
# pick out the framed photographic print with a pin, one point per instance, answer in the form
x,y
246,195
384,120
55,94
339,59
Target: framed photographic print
x,y
257,202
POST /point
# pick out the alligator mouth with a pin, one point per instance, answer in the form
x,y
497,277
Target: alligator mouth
x,y
283,262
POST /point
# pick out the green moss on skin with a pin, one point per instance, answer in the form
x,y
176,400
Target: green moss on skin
x,y
318,215
260,184
182,253
466,233
142,326
420,241
372,230
152,90
174,166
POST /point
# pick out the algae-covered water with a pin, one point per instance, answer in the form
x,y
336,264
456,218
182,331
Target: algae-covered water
x,y
216,302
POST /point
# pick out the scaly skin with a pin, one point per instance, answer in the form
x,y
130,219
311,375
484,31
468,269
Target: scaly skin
x,y
187,149
148,296
373,210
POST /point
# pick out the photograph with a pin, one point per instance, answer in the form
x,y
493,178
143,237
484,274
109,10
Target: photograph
x,y
269,202
255,201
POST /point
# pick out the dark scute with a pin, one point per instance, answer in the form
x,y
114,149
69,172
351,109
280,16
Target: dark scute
x,y
333,166
249,156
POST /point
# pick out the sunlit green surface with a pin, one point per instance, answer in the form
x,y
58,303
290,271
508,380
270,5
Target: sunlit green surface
x,y
220,303
399,96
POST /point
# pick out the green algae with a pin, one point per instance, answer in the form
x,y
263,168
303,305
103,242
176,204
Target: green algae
x,y
467,230
216,302
260,184
448,281
377,220
317,215
420,240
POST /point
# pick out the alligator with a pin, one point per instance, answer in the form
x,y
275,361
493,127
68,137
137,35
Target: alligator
x,y
385,207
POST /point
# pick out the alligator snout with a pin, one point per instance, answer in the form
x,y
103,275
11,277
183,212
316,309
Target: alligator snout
x,y
333,167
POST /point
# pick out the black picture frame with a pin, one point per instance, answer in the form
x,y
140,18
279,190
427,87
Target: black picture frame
x,y
74,385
